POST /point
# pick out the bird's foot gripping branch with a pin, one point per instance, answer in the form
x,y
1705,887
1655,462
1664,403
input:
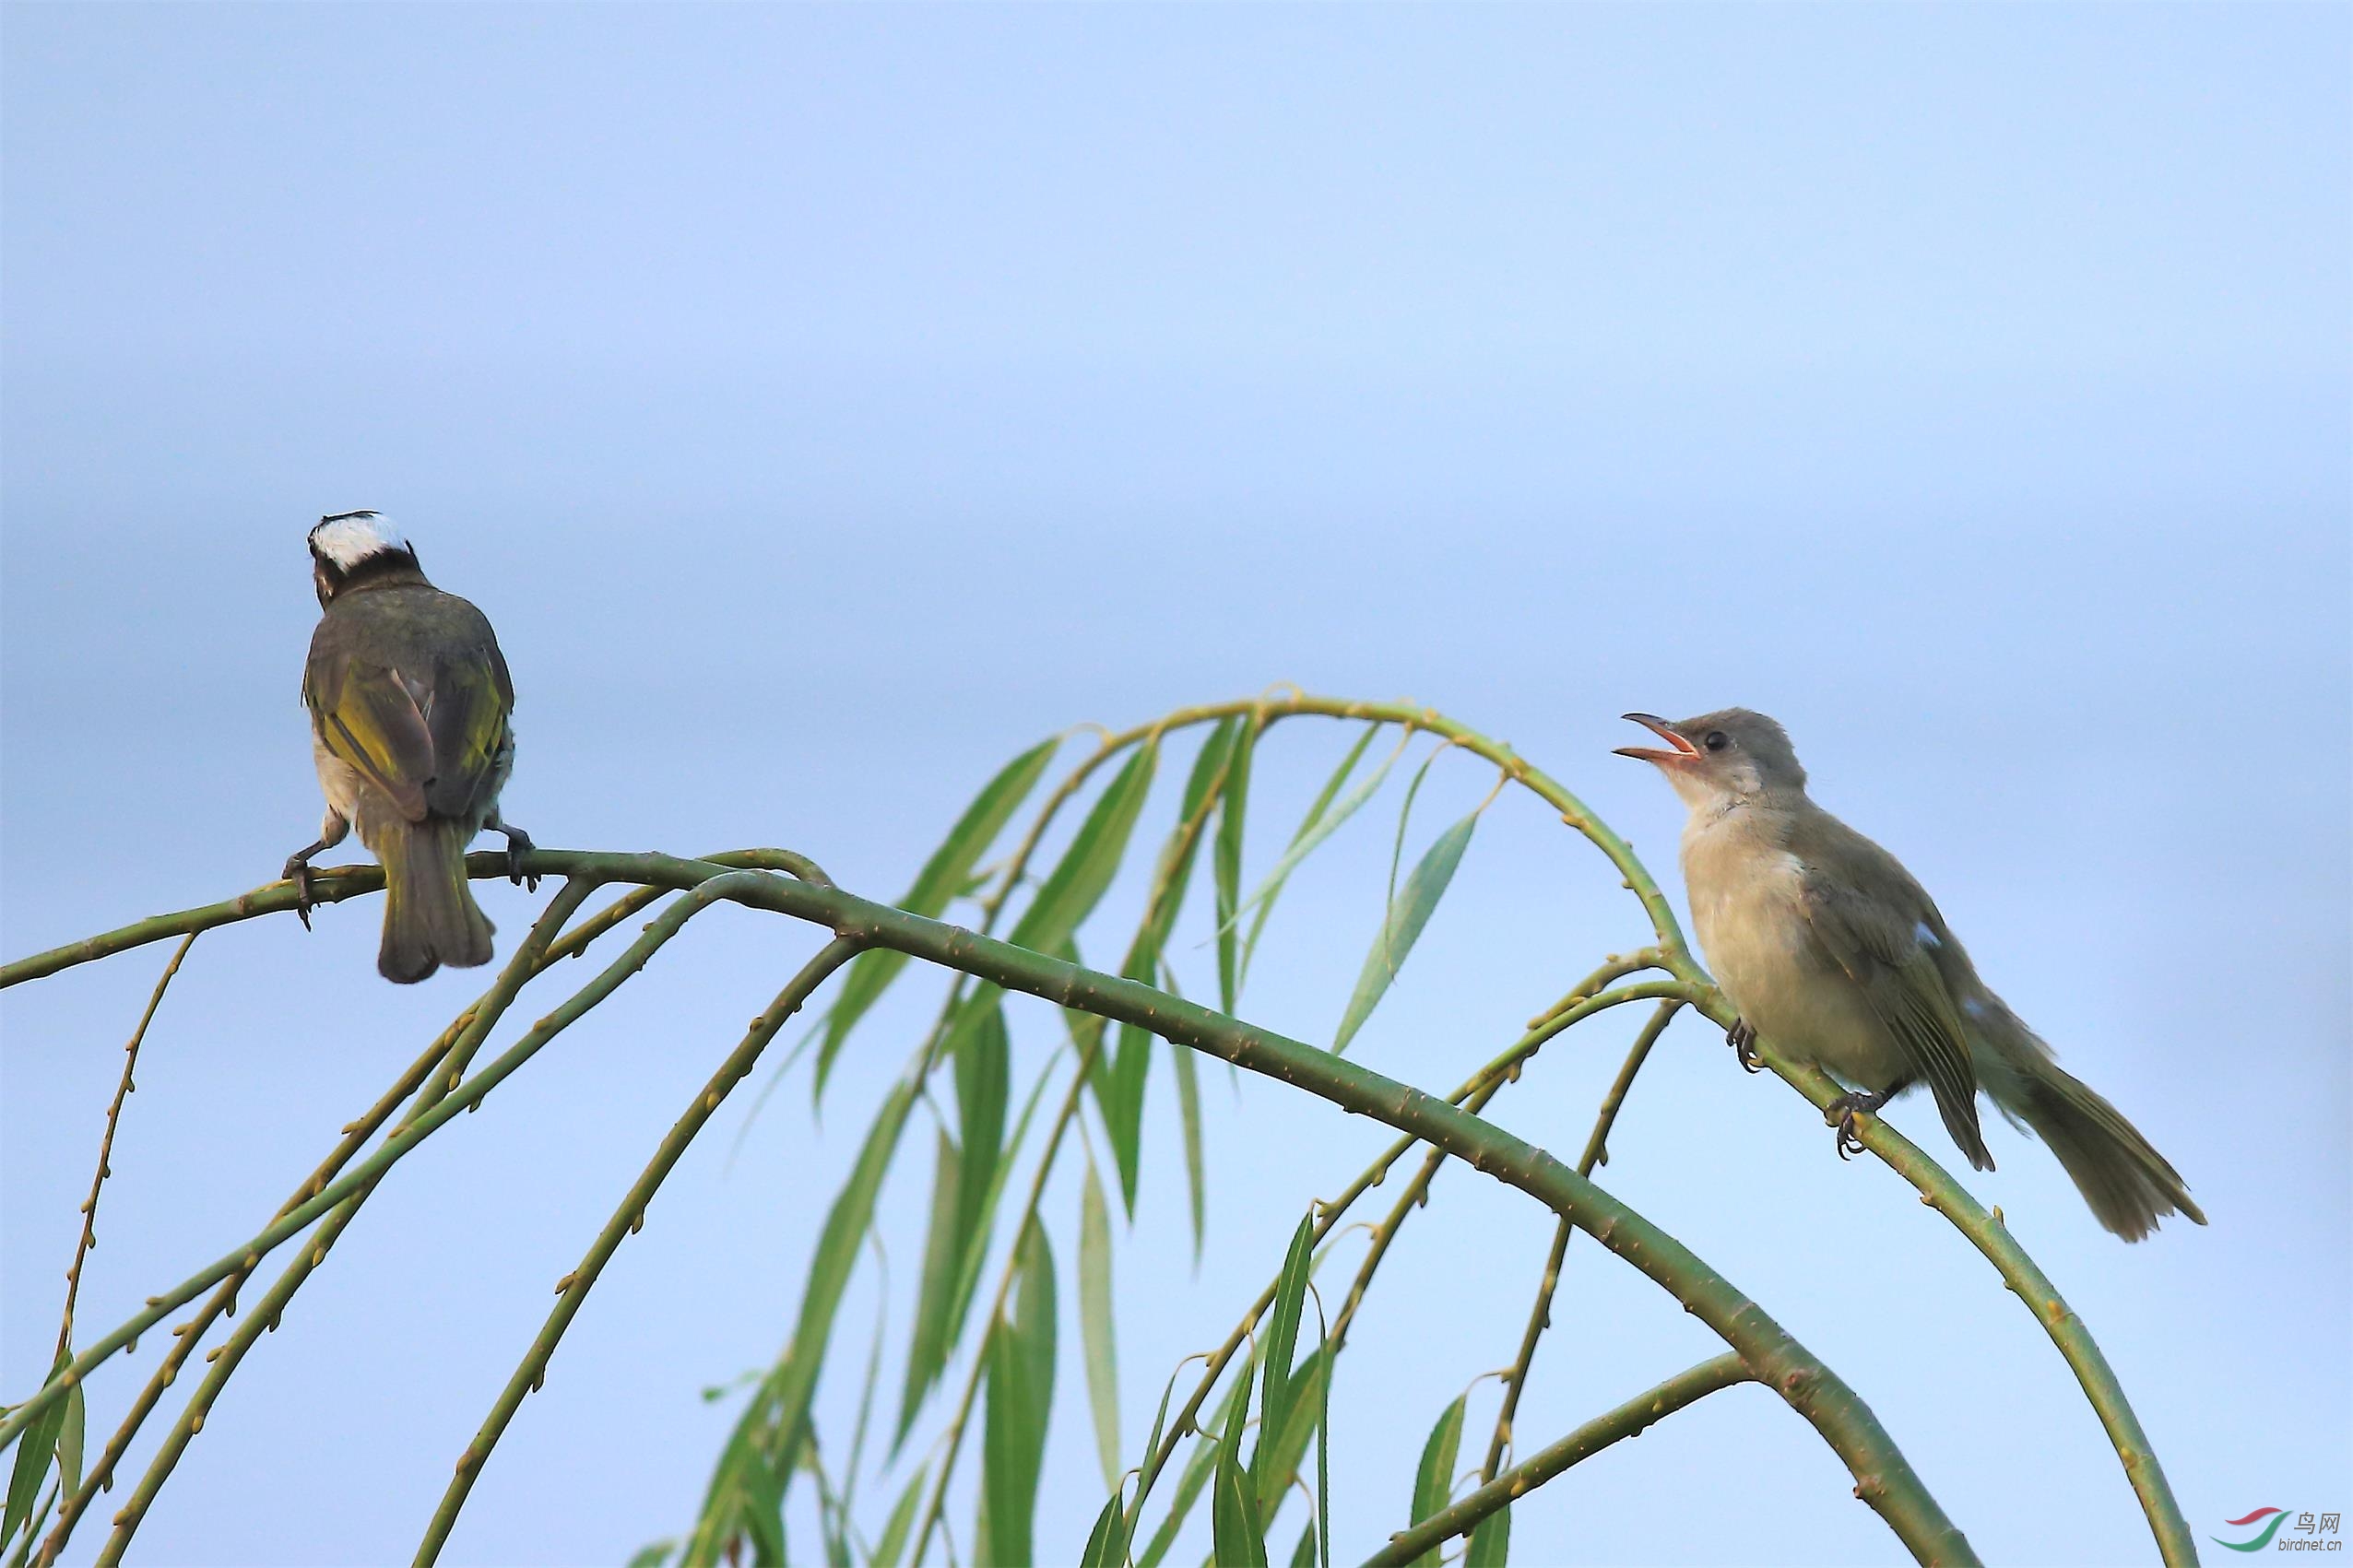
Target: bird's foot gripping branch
x,y
996,1143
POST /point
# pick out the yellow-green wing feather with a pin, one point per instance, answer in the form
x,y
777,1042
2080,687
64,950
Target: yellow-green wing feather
x,y
367,718
467,724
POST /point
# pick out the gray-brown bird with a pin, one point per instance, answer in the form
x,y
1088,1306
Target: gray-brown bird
x,y
1827,946
410,699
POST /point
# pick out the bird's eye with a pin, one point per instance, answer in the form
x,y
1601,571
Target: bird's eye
x,y
1715,741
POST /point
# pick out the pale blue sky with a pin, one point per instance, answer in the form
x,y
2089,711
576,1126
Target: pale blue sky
x,y
826,402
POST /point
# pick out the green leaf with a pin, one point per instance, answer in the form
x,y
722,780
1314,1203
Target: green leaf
x,y
737,1498
1281,1455
1323,818
1408,913
1490,1541
652,1554
36,1446
1119,1086
1020,1399
69,1443
1234,1517
977,1248
942,877
1195,1476
1107,1542
1226,864
1188,1106
902,1520
1282,1340
944,1251
1120,1094
1077,882
1325,1352
1434,1482
940,1319
1304,1554
1096,1324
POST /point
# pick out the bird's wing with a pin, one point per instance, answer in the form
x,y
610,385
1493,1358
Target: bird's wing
x,y
1884,945
465,714
366,716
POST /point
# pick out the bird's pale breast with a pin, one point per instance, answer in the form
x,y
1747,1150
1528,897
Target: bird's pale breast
x,y
1748,906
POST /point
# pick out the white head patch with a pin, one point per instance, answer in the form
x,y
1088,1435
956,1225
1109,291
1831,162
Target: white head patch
x,y
350,538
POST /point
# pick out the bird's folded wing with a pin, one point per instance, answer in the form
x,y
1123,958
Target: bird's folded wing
x,y
468,723
367,718
1880,948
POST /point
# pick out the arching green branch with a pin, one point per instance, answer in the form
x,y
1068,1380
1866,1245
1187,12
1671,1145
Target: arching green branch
x,y
1462,1517
624,1222
1883,1479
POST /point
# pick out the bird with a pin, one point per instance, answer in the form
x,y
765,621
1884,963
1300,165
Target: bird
x,y
1826,945
409,698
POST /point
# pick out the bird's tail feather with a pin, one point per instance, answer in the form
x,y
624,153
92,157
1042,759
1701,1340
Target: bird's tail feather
x,y
429,916
2127,1183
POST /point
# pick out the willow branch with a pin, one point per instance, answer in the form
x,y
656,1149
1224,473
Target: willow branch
x,y
708,884
1580,1003
106,1144
472,1028
356,1135
1615,1426
334,884
1540,1316
2024,1277
625,1221
1163,887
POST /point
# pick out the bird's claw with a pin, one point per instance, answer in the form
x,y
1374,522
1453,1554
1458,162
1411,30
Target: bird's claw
x,y
1742,1038
518,845
298,871
1841,1113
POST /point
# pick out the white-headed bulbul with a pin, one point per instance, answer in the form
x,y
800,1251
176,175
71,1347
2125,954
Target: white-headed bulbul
x,y
1827,946
410,699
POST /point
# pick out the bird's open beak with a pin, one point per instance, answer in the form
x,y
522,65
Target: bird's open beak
x,y
1684,751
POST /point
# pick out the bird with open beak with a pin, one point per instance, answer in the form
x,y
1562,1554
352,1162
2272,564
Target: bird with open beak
x,y
1829,949
409,701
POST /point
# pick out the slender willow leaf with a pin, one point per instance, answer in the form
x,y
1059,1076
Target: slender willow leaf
x,y
1073,888
902,1520
1281,1340
782,1405
946,874
1094,1324
1234,1517
761,1516
976,1250
1195,1476
1107,1542
1324,817
1226,863
1021,1398
69,1443
1408,913
1119,1088
940,1320
1491,1541
1188,1106
1279,1458
1325,1352
1434,1482
943,1251
36,1446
